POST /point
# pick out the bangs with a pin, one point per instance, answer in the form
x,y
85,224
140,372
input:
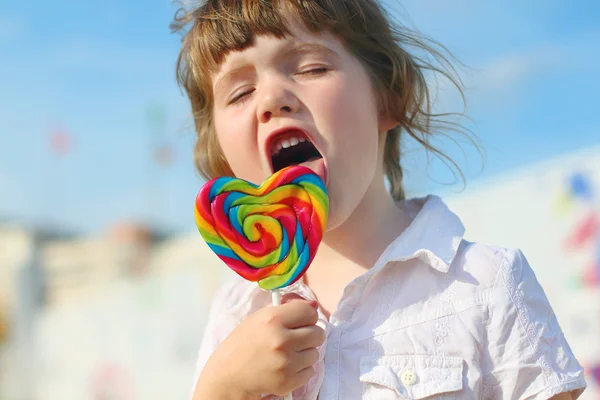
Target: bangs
x,y
212,29
223,26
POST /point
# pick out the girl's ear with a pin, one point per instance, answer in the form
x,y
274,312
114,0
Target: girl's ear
x,y
387,121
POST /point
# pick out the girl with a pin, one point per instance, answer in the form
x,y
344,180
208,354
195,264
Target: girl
x,y
396,303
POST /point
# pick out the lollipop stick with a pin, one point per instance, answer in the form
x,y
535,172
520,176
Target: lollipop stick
x,y
276,296
288,397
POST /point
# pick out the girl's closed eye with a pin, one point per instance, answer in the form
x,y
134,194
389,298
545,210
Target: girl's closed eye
x,y
313,71
240,95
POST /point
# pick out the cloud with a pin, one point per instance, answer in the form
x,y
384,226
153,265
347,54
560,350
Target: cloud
x,y
498,79
511,69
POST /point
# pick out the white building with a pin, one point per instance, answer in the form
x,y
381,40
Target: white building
x,y
21,297
16,243
135,336
552,212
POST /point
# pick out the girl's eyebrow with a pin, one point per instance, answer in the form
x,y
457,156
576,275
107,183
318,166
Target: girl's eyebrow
x,y
295,48
224,81
306,48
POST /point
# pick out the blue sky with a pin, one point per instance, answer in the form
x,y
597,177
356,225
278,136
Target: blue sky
x,y
95,67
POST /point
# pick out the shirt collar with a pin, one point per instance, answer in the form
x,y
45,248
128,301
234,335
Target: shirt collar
x,y
433,236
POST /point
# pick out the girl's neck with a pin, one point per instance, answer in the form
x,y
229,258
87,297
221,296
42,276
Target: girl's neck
x,y
361,239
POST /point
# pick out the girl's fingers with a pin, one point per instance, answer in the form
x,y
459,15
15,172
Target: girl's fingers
x,y
307,337
306,359
305,375
289,297
297,314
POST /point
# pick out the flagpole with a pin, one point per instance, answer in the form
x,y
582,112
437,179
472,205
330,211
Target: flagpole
x,y
60,146
156,119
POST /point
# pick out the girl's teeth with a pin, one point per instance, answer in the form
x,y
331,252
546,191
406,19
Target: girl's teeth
x,y
286,143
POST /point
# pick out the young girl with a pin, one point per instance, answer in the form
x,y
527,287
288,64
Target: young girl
x,y
396,303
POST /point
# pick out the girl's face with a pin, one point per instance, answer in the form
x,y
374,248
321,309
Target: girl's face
x,y
302,99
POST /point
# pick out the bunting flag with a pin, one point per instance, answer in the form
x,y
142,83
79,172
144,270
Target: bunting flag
x,y
578,188
575,282
584,232
595,374
595,267
597,260
162,152
591,277
164,155
581,187
156,118
111,381
60,142
563,203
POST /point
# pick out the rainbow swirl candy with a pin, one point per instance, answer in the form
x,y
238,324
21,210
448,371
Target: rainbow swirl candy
x,y
269,233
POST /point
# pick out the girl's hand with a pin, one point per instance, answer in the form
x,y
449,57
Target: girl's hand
x,y
271,352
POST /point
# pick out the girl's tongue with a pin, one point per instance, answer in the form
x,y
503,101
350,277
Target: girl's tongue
x,y
317,164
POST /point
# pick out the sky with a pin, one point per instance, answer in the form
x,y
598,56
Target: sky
x,y
94,69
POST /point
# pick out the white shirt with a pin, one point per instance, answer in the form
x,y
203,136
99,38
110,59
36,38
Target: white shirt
x,y
436,316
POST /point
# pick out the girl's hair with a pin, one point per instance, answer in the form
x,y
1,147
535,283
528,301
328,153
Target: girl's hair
x,y
221,26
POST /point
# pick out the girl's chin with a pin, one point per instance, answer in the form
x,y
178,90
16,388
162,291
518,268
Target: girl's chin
x,y
334,221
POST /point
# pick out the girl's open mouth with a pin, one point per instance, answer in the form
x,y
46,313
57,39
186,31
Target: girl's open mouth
x,y
292,148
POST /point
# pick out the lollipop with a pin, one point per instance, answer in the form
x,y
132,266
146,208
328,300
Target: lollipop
x,y
269,233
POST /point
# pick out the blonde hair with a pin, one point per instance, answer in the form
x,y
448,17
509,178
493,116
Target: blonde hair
x,y
221,26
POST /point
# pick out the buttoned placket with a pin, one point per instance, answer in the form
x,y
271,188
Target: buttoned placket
x,y
400,250
334,327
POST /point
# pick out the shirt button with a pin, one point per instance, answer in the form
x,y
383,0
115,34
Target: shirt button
x,y
408,377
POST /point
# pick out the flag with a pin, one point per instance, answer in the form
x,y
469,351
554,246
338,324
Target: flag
x,y
581,187
156,116
60,142
164,155
585,231
591,277
595,372
562,203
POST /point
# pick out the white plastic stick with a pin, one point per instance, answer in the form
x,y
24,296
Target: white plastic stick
x,y
276,296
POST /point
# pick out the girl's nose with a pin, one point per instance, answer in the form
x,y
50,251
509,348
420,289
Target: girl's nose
x,y
277,102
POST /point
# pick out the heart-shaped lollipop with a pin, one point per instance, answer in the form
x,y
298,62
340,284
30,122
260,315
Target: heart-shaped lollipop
x,y
269,233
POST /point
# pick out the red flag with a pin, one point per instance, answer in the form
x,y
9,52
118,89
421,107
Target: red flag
x,y
164,155
584,232
595,372
591,276
60,142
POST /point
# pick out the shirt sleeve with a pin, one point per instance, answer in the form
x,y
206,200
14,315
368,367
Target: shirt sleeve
x,y
223,317
529,357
